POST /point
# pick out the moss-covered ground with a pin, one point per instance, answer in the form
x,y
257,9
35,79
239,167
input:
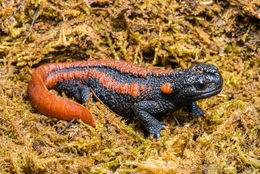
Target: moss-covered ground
x,y
162,33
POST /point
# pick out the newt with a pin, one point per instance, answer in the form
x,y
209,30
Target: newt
x,y
127,89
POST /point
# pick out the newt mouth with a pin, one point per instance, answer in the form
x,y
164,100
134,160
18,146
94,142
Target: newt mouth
x,y
208,94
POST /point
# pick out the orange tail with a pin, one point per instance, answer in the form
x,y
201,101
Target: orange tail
x,y
54,106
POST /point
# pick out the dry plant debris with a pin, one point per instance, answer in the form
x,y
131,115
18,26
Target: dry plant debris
x,y
164,33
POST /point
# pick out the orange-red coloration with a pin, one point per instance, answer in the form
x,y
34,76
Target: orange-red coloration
x,y
123,88
133,90
60,108
117,64
142,88
166,88
51,105
102,77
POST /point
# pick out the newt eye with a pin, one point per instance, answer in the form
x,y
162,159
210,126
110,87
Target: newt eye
x,y
200,84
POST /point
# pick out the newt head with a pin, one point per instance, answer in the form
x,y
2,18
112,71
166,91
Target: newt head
x,y
198,82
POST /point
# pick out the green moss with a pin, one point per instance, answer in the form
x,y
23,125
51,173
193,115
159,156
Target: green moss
x,y
161,33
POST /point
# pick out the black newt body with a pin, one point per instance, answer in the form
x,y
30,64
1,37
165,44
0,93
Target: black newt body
x,y
126,89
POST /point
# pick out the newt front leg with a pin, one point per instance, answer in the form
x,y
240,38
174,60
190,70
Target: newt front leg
x,y
144,110
194,109
127,89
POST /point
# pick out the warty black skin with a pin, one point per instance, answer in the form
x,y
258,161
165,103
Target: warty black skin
x,y
189,85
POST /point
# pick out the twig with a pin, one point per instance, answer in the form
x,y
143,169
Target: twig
x,y
67,126
34,19
18,8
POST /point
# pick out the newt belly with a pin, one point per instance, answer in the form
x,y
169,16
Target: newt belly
x,y
127,89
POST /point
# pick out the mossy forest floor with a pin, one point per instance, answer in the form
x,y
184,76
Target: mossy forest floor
x,y
162,33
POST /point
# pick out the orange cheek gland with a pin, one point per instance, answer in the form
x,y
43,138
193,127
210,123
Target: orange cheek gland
x,y
167,88
126,89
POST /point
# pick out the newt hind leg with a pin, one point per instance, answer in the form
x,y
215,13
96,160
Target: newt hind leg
x,y
79,91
